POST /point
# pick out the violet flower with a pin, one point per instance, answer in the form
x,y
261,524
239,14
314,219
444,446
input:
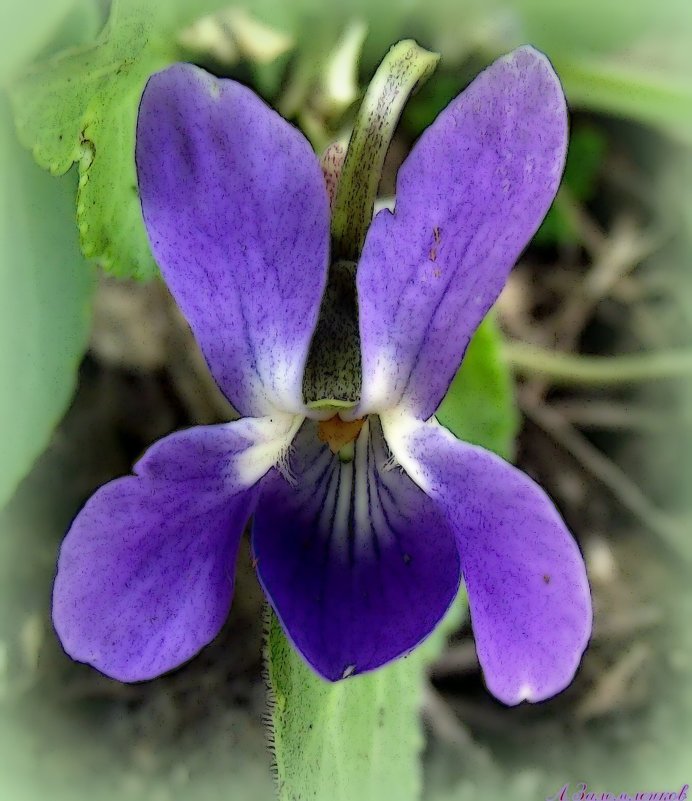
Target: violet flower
x,y
367,512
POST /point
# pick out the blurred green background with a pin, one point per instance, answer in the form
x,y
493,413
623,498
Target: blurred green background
x,y
96,363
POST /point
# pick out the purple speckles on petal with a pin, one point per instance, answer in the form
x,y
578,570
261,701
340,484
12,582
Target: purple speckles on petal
x,y
237,213
145,575
528,592
469,197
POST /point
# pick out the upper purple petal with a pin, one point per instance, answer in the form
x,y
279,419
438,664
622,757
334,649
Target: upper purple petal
x,y
469,197
145,574
237,214
526,581
356,560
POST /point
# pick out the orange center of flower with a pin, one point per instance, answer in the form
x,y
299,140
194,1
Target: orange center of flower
x,y
337,432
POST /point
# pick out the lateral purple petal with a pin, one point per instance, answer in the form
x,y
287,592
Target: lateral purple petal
x,y
469,197
357,562
145,574
237,214
526,581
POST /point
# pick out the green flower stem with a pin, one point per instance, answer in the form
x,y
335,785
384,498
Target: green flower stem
x,y
573,370
405,67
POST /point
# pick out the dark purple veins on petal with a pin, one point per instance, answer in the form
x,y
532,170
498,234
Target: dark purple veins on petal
x,y
357,562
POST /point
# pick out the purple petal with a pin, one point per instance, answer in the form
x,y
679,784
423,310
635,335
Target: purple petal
x,y
469,197
526,581
145,574
357,562
237,213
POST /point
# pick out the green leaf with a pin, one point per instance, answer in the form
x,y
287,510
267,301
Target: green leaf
x,y
81,107
26,27
45,289
622,87
630,58
361,738
38,29
590,25
479,406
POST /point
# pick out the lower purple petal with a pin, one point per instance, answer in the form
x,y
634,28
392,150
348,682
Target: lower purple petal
x,y
145,575
357,562
526,581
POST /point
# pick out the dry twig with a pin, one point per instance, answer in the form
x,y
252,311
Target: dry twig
x,y
608,473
